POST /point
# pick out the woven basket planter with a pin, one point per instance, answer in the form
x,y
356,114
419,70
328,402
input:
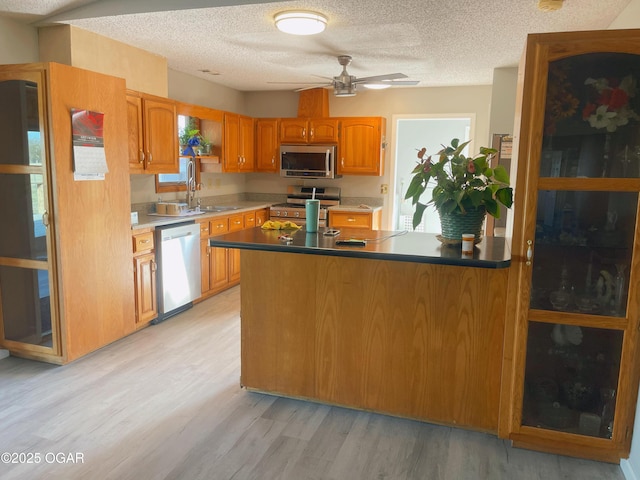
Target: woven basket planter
x,y
455,224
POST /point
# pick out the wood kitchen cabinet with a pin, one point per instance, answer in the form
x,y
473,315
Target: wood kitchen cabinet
x,y
267,145
238,143
144,269
152,140
309,130
362,144
368,220
67,237
571,356
221,266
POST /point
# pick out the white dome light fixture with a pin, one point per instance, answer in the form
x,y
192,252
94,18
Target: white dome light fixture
x,y
300,22
549,5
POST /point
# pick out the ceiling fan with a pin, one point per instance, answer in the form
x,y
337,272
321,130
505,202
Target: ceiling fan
x,y
344,85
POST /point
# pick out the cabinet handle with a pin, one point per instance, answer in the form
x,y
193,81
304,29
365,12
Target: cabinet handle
x,y
153,265
273,160
351,219
45,219
141,157
529,252
311,133
304,133
150,156
342,162
146,240
208,251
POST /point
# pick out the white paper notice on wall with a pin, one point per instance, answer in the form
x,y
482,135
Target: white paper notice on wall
x,y
89,159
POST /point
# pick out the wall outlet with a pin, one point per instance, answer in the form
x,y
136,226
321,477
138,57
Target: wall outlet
x,y
384,189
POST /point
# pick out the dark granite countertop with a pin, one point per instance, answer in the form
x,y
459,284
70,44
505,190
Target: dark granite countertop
x,y
491,252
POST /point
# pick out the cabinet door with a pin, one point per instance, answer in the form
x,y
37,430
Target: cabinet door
x,y
145,286
574,238
246,142
219,268
159,120
361,149
136,134
234,265
267,146
205,267
28,305
293,130
231,159
323,130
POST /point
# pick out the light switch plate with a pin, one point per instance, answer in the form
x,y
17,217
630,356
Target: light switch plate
x,y
134,218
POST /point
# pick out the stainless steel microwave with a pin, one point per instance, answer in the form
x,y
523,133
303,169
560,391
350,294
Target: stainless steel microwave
x,y
308,161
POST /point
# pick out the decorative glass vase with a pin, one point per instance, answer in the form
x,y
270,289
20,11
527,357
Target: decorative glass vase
x,y
454,224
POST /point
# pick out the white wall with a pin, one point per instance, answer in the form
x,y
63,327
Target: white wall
x,y
18,42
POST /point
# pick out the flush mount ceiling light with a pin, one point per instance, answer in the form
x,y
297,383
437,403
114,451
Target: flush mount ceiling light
x,y
549,5
300,22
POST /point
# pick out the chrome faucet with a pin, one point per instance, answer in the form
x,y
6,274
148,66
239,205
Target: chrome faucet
x,y
191,184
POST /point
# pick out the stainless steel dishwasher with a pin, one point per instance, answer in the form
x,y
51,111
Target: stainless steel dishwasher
x,y
178,258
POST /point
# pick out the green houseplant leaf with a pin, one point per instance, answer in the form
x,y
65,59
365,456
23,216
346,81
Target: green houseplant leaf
x,y
461,182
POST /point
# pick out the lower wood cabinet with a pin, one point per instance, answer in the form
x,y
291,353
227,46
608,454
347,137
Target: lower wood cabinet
x,y
221,266
368,220
144,268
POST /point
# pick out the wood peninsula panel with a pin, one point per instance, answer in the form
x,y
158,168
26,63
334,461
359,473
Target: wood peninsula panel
x,y
416,340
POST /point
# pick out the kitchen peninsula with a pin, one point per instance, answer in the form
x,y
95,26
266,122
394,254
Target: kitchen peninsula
x,y
402,326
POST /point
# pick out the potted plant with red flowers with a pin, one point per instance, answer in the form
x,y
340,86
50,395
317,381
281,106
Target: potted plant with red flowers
x,y
466,189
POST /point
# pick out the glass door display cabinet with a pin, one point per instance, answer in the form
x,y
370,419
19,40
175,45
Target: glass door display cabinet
x,y
574,376
28,321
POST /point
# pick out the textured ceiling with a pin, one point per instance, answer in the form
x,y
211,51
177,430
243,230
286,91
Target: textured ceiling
x,y
438,42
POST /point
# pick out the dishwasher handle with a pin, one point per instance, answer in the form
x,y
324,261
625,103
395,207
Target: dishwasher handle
x,y
175,237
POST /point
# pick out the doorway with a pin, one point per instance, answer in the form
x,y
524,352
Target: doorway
x,y
413,132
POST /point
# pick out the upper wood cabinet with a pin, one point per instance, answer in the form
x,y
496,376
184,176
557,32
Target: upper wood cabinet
x,y
361,148
152,137
309,130
571,339
267,145
238,143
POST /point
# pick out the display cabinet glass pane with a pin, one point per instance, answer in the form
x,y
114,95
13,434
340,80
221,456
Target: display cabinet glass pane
x,y
20,132
592,117
583,248
571,378
22,207
26,305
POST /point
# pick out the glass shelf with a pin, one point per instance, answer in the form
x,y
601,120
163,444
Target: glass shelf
x,y
571,378
591,127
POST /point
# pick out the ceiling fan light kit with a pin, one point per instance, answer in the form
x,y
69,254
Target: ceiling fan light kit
x,y
344,85
376,86
300,22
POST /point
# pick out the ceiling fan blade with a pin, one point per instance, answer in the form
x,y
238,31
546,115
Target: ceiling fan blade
x,y
302,83
375,78
324,85
394,82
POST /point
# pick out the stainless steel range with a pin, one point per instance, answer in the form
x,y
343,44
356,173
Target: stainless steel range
x,y
294,209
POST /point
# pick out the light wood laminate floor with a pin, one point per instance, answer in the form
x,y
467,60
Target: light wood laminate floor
x,y
165,403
